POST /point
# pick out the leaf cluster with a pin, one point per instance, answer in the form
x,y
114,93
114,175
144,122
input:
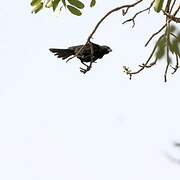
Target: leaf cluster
x,y
174,43
73,6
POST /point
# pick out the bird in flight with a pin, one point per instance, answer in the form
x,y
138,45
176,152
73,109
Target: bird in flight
x,y
87,54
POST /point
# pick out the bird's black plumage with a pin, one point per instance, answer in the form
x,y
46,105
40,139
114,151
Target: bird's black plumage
x,y
90,53
85,55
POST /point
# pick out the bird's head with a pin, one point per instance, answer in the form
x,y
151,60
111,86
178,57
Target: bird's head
x,y
106,49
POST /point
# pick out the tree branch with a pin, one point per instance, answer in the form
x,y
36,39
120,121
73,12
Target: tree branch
x,y
162,27
173,18
167,49
144,65
168,5
174,2
177,64
155,34
125,9
133,18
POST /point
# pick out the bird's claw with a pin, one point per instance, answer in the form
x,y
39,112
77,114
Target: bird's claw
x,y
85,70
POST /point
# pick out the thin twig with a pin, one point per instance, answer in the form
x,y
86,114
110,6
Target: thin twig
x,y
126,7
110,12
168,5
133,18
174,35
177,65
174,2
155,34
151,64
168,13
173,18
144,65
177,10
167,42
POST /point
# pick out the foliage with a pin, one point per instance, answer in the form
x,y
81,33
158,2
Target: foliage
x,y
74,6
158,4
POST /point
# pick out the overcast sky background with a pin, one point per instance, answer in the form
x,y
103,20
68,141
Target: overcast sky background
x,y
59,124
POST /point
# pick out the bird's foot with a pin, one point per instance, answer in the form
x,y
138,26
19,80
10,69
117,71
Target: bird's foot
x,y
85,70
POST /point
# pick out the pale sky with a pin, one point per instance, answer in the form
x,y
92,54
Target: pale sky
x,y
59,124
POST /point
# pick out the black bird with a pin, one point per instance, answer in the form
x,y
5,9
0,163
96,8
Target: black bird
x,y
90,53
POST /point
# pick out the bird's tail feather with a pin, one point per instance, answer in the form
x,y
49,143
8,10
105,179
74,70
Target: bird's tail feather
x,y
62,53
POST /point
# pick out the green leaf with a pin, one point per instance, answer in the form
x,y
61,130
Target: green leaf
x,y
158,4
172,28
161,48
160,53
175,45
76,3
162,42
93,3
37,8
49,4
35,2
55,4
74,10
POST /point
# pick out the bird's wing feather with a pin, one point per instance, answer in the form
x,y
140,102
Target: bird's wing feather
x,y
62,53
